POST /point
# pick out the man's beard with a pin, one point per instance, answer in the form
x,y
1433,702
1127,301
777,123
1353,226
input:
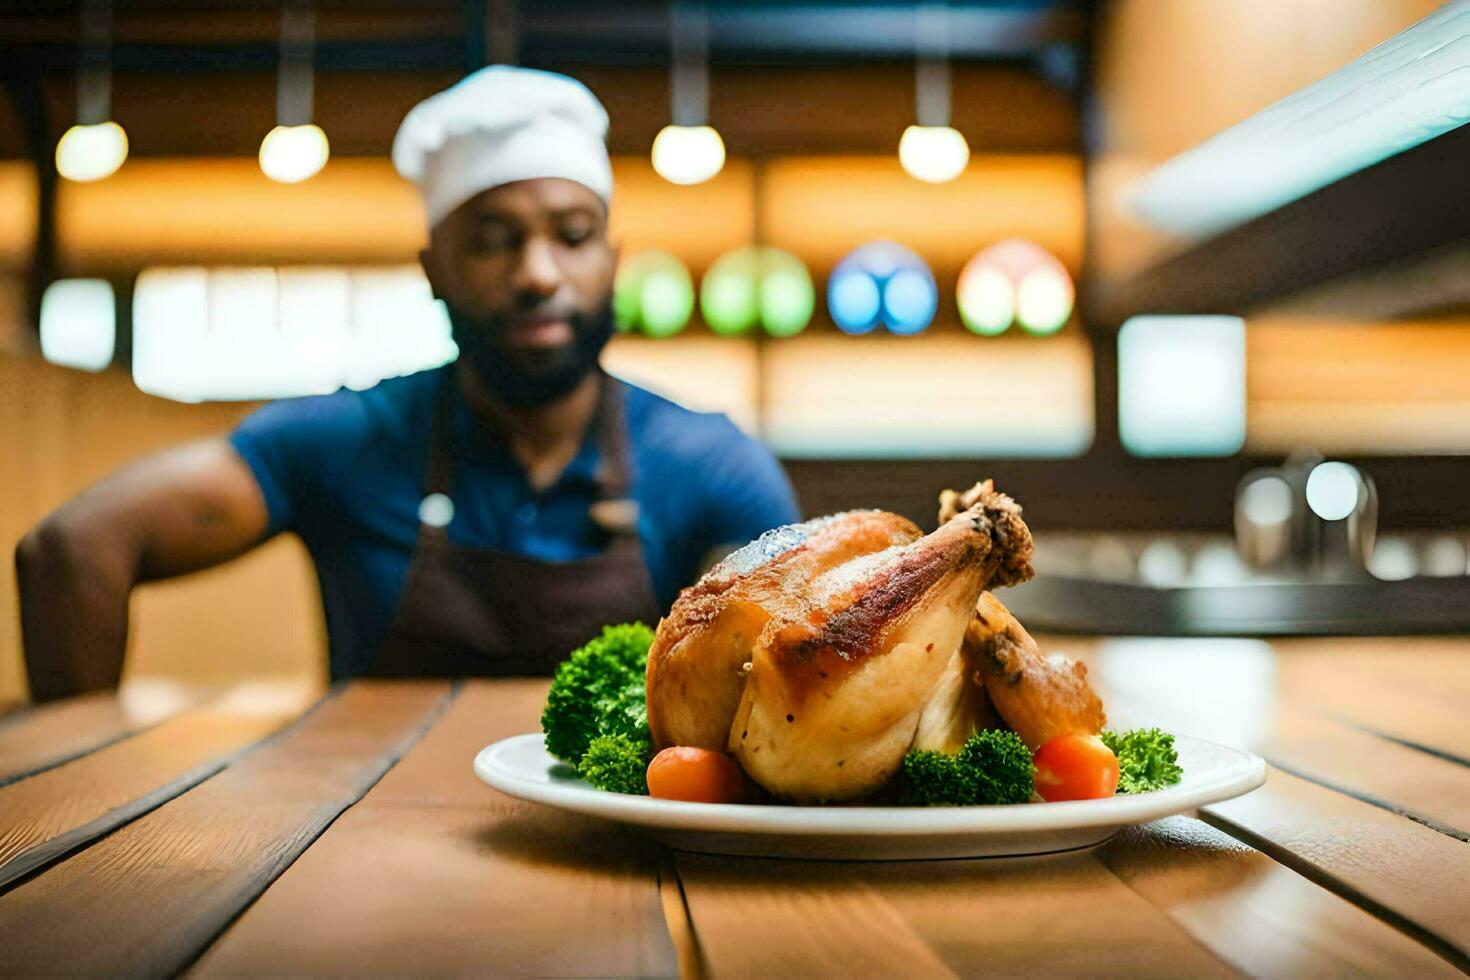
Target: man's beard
x,y
521,381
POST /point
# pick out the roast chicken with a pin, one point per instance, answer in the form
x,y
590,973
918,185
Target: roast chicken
x,y
821,653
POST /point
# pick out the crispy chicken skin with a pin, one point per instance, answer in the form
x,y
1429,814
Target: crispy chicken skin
x,y
821,653
1039,697
695,667
836,691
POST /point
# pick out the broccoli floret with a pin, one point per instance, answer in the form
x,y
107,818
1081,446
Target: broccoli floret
x,y
993,766
937,778
1147,759
1006,774
598,690
617,763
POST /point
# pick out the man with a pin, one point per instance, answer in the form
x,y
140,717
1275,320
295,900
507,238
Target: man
x,y
482,518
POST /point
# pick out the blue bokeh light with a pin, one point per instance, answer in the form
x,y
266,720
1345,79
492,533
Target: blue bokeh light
x,y
882,282
910,299
854,300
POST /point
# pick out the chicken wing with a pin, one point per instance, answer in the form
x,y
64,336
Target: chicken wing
x,y
1039,697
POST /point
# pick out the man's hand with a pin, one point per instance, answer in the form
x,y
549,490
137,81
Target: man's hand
x,y
180,511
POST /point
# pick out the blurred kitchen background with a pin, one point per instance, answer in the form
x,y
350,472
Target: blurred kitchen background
x,y
1189,278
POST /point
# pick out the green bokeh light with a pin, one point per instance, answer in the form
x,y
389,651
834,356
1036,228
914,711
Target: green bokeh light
x,y
668,302
1044,301
987,300
788,297
653,293
728,296
754,285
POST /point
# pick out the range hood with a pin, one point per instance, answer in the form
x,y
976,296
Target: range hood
x,y
1361,177
1407,91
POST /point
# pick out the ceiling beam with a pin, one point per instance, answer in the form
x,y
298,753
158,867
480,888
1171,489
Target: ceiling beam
x,y
604,34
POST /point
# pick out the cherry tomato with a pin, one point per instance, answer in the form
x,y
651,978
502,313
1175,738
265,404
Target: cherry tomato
x,y
680,772
1075,767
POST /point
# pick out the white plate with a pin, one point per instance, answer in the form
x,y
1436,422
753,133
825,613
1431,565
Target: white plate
x,y
521,767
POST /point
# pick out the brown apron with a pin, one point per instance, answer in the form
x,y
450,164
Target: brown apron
x,y
482,612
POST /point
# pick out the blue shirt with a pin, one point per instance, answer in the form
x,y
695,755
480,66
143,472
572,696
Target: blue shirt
x,y
346,471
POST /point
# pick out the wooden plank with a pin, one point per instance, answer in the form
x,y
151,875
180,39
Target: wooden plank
x,y
50,734
1407,874
1060,915
1259,916
439,773
433,872
56,811
1413,704
146,900
676,917
783,918
1423,787
1435,666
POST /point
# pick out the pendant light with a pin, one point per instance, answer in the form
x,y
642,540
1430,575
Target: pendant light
x,y
296,149
689,151
96,145
932,150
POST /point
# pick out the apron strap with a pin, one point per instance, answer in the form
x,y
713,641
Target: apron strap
x,y
439,467
614,462
436,509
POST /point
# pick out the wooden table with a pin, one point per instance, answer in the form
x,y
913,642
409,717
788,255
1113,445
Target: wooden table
x,y
242,836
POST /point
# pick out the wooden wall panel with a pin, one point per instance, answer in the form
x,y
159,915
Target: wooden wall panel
x,y
202,211
1390,388
62,430
823,207
225,211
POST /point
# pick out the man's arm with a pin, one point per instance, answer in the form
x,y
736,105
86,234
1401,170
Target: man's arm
x,y
180,511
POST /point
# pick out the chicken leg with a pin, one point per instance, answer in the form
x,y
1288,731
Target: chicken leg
x,y
1040,697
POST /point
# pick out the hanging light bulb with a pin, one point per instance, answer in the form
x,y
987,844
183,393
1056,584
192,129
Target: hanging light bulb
x,y
688,154
96,146
933,150
933,153
689,151
291,154
91,152
295,149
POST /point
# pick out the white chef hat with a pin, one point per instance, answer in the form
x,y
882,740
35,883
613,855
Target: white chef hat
x,y
499,125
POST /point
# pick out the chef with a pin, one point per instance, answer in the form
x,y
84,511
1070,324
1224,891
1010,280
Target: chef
x,y
482,518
